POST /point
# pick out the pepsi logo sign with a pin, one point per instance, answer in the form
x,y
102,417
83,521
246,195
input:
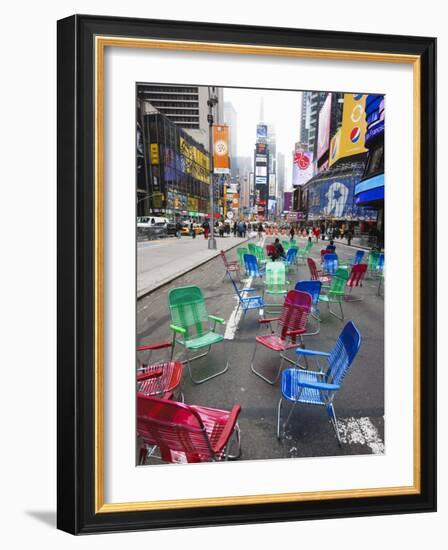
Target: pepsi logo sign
x,y
355,134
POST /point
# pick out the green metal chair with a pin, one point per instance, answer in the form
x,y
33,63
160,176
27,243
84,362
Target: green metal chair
x,y
275,282
335,292
260,255
372,263
192,327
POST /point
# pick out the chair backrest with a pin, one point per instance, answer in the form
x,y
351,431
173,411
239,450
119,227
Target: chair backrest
x,y
343,353
331,248
251,265
295,313
380,265
235,287
174,427
252,247
259,253
291,255
357,275
188,311
292,242
270,249
331,263
372,260
313,269
358,257
285,245
275,276
240,253
338,282
224,258
309,246
312,287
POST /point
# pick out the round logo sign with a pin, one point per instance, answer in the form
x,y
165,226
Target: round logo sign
x,y
302,160
220,148
229,214
355,134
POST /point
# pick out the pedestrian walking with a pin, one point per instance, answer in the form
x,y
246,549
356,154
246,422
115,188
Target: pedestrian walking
x,y
244,229
178,229
317,233
349,236
235,228
292,233
192,230
206,227
260,231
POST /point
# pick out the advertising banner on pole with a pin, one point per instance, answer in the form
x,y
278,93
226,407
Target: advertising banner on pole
x,y
353,131
323,136
303,167
221,149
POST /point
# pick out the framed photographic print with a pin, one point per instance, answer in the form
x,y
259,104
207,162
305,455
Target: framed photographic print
x,y
246,274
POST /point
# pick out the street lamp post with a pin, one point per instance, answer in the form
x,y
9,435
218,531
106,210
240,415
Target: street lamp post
x,y
211,102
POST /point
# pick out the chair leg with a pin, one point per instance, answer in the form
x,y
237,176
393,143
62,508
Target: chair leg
x,y
341,317
237,433
257,373
202,380
334,421
279,412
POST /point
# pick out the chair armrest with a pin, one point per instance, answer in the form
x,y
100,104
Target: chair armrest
x,y
264,321
155,373
247,289
228,428
319,386
177,329
311,352
295,332
160,345
216,319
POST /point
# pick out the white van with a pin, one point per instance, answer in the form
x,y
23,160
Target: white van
x,y
149,221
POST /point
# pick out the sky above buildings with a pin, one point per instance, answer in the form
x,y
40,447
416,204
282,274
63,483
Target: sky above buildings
x,y
281,110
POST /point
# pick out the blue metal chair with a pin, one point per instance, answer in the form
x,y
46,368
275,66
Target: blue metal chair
x,y
291,257
380,266
313,288
247,303
330,263
320,388
358,257
252,267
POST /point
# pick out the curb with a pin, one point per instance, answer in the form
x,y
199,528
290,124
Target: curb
x,y
185,271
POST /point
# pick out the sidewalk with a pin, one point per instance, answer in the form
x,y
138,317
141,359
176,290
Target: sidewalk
x,y
161,261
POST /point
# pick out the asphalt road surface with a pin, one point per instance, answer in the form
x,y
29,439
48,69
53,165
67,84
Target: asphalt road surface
x,y
359,405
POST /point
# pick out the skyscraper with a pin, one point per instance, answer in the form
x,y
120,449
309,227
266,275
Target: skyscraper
x,y
185,106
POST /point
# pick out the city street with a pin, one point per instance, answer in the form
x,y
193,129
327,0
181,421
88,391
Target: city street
x,y
359,405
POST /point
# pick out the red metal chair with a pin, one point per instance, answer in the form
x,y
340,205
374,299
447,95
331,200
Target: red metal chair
x,y
158,379
186,433
317,275
355,279
232,266
291,324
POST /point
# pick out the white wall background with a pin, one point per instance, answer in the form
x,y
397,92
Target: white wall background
x,y
28,270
